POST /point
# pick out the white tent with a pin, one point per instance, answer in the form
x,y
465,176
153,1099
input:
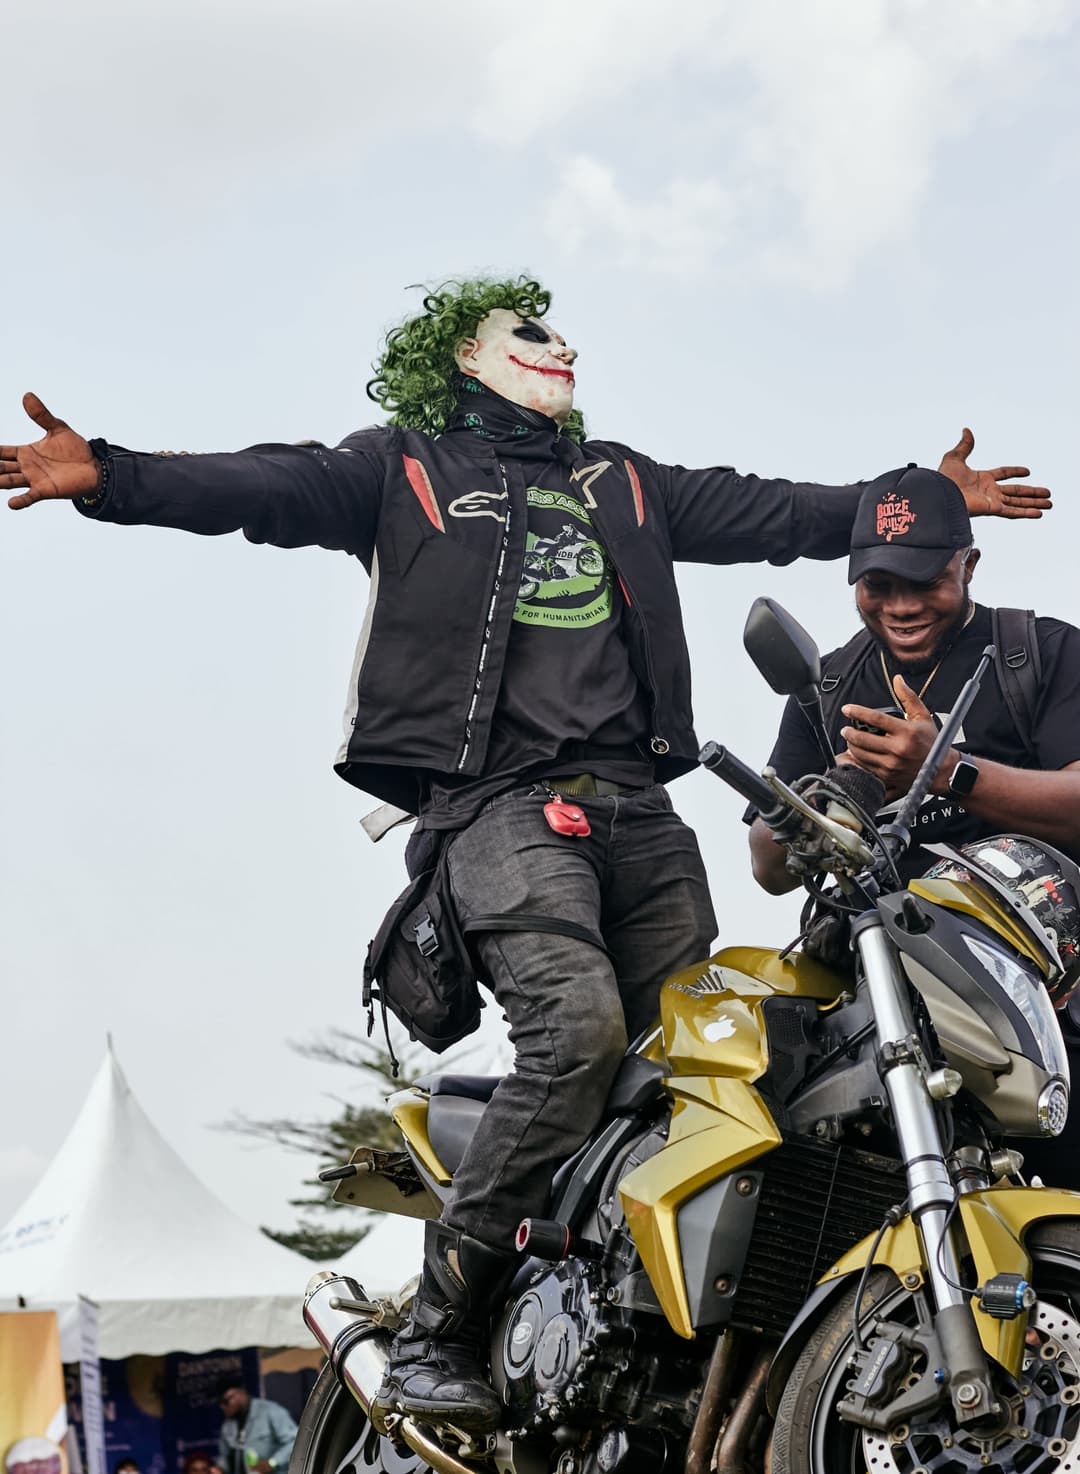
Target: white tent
x,y
121,1219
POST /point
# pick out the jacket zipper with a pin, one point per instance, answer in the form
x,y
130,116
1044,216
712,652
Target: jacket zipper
x,y
493,603
659,745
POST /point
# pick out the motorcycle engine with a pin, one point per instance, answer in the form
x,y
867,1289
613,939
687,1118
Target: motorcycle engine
x,y
562,1348
577,1348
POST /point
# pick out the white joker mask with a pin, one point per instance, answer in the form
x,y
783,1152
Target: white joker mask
x,y
523,360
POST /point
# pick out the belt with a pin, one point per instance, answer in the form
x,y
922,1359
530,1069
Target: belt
x,y
587,785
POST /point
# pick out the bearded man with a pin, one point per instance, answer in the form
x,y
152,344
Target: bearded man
x,y
523,638
1015,765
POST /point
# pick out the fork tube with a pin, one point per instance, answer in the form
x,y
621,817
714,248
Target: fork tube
x,y
930,1187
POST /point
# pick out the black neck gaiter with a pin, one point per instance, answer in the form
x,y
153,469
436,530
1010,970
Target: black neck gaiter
x,y
483,413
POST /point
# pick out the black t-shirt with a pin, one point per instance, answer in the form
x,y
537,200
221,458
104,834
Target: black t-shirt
x,y
569,701
988,729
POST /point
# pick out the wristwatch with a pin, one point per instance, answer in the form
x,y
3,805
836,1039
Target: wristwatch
x,y
963,776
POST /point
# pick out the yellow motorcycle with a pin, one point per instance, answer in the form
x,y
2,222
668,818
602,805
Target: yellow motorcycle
x,y
799,1241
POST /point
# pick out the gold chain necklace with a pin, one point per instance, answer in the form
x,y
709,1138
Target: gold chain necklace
x,y
925,685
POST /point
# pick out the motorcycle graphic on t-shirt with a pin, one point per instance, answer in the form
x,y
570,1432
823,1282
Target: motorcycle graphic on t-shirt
x,y
565,575
565,564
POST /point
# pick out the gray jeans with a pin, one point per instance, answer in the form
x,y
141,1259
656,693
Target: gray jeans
x,y
638,878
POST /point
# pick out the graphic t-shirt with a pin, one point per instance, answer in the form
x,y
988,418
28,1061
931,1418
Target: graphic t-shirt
x,y
569,701
568,676
988,730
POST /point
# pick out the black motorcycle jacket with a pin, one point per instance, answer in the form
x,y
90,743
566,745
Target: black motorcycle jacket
x,y
439,524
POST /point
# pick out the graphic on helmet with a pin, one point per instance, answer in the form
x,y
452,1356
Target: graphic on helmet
x,y
1044,880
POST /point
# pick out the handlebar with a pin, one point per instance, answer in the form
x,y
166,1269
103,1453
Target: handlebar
x,y
744,780
783,810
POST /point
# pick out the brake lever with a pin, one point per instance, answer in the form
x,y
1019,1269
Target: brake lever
x,y
842,837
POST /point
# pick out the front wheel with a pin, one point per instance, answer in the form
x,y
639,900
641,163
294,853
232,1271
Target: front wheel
x,y
336,1437
1043,1434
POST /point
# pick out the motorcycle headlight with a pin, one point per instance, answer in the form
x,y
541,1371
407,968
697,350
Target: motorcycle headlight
x,y
1027,992
1053,1108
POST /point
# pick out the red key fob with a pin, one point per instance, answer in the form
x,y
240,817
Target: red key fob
x,y
566,818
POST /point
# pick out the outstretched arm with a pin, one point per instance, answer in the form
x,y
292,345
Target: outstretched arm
x,y
287,495
717,515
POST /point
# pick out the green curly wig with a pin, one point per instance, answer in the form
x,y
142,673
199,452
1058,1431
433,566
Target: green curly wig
x,y
415,377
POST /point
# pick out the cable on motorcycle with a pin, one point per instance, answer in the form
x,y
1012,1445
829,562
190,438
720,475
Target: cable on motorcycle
x,y
870,829
893,1218
950,1212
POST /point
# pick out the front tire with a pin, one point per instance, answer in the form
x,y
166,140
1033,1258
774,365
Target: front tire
x,y
336,1437
810,1438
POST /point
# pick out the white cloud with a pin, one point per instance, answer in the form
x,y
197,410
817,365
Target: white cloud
x,y
842,107
603,51
674,233
786,138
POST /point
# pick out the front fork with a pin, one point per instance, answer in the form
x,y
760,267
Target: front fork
x,y
931,1192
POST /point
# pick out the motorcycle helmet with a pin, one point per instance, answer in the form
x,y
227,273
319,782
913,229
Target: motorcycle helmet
x,y
1042,879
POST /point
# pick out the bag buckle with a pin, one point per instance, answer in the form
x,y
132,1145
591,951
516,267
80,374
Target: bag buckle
x,y
427,938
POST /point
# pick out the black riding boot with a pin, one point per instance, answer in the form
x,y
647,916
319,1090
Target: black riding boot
x,y
437,1367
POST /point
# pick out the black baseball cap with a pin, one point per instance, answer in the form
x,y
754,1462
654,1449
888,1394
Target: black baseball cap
x,y
909,522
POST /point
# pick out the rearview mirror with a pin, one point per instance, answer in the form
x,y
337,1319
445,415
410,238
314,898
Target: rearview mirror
x,y
790,661
782,650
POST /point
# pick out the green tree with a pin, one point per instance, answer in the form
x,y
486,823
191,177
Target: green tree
x,y
331,1140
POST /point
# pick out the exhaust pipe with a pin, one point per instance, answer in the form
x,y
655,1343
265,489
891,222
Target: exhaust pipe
x,y
358,1350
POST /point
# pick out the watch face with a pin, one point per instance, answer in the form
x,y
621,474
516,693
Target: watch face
x,y
963,777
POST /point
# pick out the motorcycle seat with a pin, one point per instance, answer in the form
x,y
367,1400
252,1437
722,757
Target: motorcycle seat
x,y
457,1102
637,1082
469,1087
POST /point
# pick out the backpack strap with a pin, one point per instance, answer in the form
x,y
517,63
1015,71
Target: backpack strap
x,y
1018,667
841,665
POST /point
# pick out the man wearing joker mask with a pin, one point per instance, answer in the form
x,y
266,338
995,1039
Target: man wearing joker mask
x,y
523,640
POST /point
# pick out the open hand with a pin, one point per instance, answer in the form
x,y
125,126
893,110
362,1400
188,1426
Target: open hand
x,y
983,492
62,465
897,755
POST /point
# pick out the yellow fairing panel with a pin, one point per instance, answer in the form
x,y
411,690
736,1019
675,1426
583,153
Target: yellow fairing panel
x,y
715,1045
710,1014
409,1109
994,1222
755,972
795,976
717,1126
972,900
718,1035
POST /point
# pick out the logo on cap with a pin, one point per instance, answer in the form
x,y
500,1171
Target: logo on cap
x,y
894,517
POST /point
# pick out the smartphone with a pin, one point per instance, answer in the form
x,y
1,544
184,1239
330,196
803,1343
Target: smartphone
x,y
889,711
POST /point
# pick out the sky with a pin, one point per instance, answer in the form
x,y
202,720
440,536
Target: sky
x,y
811,238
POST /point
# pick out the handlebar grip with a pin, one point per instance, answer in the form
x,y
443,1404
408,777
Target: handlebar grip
x,y
744,780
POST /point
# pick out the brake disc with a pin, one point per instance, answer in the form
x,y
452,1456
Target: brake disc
x,y
1043,1433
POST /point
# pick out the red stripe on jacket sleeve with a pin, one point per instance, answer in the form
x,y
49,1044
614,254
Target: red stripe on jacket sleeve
x,y
420,482
635,487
